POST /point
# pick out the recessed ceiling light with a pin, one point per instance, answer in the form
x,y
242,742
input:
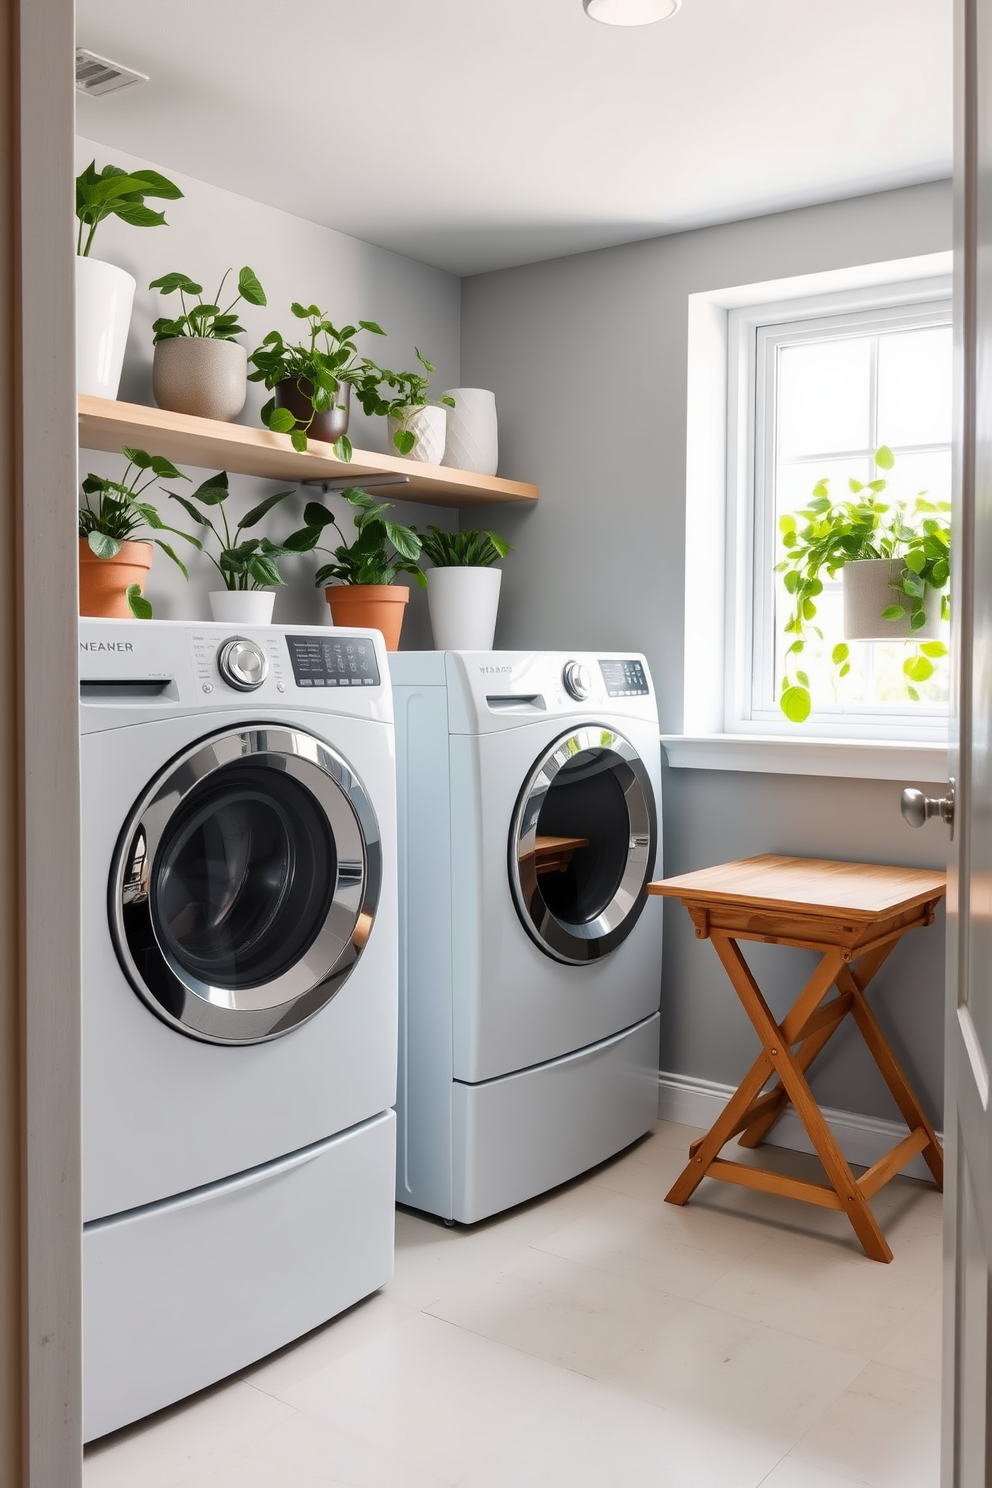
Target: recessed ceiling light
x,y
630,12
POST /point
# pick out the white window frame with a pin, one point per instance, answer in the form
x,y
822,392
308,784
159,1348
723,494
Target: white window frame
x,y
755,334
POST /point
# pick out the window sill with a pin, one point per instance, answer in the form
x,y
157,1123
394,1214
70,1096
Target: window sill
x,y
855,759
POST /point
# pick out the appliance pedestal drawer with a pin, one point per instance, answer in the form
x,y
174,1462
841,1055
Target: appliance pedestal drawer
x,y
524,1133
171,1291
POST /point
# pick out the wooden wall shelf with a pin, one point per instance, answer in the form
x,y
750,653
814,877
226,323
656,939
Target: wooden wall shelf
x,y
210,445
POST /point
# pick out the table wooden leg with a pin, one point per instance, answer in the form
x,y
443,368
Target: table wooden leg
x,y
810,1047
865,1225
720,1133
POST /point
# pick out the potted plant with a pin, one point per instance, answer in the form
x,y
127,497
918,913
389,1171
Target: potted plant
x,y
113,560
198,367
417,427
364,592
104,293
463,592
895,562
311,382
247,566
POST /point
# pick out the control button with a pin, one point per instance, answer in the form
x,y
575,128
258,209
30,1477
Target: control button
x,y
280,687
208,687
242,664
575,677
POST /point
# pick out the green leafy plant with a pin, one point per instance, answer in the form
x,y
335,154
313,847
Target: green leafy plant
x,y
242,563
114,192
318,368
826,535
408,390
122,514
380,551
205,318
463,549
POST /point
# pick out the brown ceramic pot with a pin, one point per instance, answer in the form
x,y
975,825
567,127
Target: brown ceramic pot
x,y
370,606
327,426
104,582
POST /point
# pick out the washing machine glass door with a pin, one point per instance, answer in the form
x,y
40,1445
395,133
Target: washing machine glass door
x,y
582,845
245,884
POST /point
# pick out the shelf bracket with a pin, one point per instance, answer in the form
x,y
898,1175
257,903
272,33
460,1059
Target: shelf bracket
x,y
344,482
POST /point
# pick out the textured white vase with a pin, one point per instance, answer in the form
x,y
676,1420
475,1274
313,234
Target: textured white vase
x,y
472,442
870,586
427,424
200,375
463,603
242,606
104,296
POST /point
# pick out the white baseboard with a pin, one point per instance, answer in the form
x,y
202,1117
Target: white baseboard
x,y
862,1139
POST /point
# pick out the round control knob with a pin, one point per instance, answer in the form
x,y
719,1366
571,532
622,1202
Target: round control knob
x,y
242,664
576,678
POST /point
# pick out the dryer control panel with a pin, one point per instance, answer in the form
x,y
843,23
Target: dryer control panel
x,y
624,678
333,661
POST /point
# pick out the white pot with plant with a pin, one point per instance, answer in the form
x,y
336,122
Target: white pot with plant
x,y
417,427
463,587
247,567
472,441
105,293
198,367
895,566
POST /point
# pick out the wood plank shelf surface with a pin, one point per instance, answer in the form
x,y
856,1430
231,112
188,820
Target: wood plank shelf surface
x,y
211,445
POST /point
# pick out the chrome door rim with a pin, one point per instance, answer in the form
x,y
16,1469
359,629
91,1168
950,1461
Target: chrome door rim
x,y
579,943
252,1014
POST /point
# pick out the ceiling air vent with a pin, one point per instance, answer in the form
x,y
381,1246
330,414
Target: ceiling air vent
x,y
99,75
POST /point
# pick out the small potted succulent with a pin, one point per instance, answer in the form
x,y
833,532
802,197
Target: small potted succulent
x,y
198,367
247,567
463,592
113,560
364,592
311,381
105,293
895,563
417,427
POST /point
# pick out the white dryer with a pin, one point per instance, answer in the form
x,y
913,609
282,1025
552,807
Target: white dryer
x,y
530,956
239,997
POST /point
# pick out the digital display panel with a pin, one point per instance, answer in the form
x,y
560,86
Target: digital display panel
x,y
333,661
624,678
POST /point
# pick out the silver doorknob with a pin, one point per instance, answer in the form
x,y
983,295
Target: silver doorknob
x,y
918,808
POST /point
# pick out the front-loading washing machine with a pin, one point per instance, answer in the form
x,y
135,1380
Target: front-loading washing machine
x,y
239,997
530,954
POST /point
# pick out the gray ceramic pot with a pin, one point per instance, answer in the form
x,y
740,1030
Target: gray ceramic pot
x,y
870,586
327,426
198,375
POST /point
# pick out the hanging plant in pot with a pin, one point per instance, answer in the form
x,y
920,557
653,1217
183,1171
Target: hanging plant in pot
x,y
105,293
463,591
364,592
895,567
247,566
198,367
311,382
113,559
417,427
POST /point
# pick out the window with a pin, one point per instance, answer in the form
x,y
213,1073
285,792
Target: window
x,y
816,387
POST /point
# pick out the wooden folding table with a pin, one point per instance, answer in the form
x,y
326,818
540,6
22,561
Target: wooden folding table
x,y
853,914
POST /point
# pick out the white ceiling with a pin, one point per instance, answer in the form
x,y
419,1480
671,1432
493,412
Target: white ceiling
x,y
473,134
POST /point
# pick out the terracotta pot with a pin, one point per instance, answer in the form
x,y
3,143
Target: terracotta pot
x,y
870,586
370,607
200,375
104,582
327,426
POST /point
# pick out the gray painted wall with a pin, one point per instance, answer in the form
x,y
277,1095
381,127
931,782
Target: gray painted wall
x,y
210,230
587,357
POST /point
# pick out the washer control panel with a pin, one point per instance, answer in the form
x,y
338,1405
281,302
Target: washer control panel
x,y
576,680
624,678
333,661
242,664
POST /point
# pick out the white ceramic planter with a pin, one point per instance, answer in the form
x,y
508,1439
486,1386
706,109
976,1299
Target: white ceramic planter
x,y
199,375
472,442
104,296
870,586
242,606
463,603
428,424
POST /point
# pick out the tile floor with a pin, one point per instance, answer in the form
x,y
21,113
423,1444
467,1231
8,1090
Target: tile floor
x,y
596,1338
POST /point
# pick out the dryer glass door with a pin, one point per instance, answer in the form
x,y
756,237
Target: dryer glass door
x,y
582,845
245,884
